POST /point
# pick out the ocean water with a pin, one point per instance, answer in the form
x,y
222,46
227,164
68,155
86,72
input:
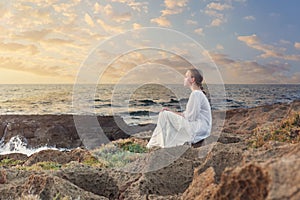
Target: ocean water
x,y
136,104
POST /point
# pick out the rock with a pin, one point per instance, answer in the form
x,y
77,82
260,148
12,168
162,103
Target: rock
x,y
3,177
165,183
60,157
14,156
246,182
60,131
220,157
244,121
285,176
226,169
96,181
201,185
45,186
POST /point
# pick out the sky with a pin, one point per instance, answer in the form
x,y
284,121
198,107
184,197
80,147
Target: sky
x,y
113,41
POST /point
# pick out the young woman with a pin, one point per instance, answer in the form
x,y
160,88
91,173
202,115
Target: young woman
x,y
192,126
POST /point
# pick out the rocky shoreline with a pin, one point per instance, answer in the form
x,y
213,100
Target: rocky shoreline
x,y
232,169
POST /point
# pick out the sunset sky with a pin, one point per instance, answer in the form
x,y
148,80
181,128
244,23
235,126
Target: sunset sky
x,y
250,41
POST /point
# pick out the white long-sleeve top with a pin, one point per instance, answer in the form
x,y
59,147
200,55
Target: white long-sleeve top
x,y
198,114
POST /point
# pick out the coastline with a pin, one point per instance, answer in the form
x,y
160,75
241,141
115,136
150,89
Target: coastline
x,y
232,167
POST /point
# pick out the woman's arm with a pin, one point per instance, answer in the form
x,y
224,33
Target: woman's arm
x,y
168,109
193,106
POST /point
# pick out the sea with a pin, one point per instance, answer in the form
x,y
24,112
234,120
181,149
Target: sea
x,y
136,104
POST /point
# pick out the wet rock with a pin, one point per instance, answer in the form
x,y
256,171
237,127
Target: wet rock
x,y
60,131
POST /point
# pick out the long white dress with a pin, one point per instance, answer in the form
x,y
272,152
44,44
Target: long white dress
x,y
195,124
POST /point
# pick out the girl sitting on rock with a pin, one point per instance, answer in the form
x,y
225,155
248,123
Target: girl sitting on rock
x,y
190,126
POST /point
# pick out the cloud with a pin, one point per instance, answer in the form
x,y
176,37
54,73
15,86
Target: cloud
x,y
215,10
3,9
110,28
268,50
135,5
213,13
89,20
170,4
161,21
191,22
284,42
122,17
199,31
249,17
249,72
136,26
132,61
17,47
44,70
219,47
297,45
57,41
33,35
217,22
108,11
171,8
218,6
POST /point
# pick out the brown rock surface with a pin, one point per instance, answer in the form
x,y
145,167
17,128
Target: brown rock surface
x,y
45,186
58,156
201,186
230,170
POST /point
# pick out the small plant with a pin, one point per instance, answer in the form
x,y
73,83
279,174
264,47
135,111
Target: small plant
x,y
41,166
92,161
113,156
288,130
132,147
10,162
49,165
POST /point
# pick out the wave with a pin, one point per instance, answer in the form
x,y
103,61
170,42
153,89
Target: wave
x,y
18,144
140,113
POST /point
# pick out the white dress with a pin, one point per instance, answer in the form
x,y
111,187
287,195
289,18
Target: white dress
x,y
195,124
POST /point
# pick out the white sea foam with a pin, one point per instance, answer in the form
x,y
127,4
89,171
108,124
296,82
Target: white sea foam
x,y
18,144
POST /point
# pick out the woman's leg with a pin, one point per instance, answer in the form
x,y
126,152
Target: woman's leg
x,y
170,130
157,136
176,130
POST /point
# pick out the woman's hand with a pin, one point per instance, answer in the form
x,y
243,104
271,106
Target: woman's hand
x,y
165,108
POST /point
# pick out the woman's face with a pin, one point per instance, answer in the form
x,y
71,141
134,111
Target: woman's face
x,y
188,79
